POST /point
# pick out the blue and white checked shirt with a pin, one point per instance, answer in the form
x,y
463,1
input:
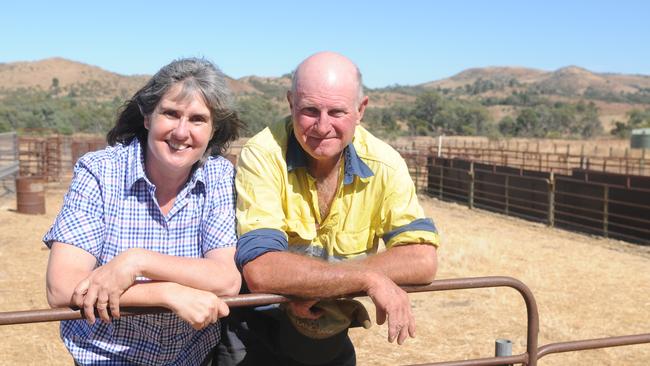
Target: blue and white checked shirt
x,y
110,207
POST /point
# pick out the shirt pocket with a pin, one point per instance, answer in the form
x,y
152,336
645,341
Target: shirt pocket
x,y
348,244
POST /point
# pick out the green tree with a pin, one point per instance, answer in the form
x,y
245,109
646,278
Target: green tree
x,y
257,112
636,119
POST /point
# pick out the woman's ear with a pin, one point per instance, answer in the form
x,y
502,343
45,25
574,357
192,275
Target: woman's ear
x,y
146,122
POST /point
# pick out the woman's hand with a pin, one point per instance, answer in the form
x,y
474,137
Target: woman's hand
x,y
197,307
104,286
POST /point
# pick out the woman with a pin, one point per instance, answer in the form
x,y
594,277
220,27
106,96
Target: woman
x,y
150,221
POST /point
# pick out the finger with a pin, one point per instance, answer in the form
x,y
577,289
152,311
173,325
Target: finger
x,y
79,293
89,306
381,315
224,310
114,302
403,333
102,311
102,307
411,327
393,330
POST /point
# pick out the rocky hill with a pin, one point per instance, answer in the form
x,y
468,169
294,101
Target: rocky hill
x,y
501,91
567,81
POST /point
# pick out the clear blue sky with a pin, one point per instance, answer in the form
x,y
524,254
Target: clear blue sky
x,y
398,41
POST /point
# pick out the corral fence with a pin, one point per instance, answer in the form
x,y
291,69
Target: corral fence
x,y
53,156
539,155
9,162
530,357
571,191
559,160
611,205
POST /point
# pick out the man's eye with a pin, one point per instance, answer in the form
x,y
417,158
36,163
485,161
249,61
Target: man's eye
x,y
337,113
310,111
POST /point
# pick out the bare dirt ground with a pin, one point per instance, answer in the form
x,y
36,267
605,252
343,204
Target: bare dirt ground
x,y
586,287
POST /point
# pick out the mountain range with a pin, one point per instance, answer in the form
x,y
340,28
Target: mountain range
x,y
614,94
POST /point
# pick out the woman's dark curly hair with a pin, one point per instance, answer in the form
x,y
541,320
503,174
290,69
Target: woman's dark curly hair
x,y
194,74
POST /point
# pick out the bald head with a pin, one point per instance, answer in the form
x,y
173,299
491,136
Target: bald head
x,y
327,68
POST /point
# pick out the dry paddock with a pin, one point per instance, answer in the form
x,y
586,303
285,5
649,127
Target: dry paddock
x,y
586,287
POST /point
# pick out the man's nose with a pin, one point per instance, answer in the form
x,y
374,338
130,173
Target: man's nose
x,y
181,131
323,124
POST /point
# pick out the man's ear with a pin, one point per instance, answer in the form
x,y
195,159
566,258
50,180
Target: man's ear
x,y
289,99
362,108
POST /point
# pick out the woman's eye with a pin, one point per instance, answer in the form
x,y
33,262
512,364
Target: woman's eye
x,y
199,119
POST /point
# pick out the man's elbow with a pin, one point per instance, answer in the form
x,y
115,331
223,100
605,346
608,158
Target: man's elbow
x,y
256,281
428,264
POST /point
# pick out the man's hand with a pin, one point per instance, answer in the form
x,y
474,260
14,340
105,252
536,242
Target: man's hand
x,y
303,309
197,307
104,286
393,303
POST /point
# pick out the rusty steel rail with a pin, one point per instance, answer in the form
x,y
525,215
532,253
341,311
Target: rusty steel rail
x,y
34,316
530,357
52,315
527,358
592,344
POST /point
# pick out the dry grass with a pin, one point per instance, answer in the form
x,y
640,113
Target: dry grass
x,y
586,287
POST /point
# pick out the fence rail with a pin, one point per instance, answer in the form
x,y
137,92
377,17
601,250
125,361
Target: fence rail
x,y
530,357
531,157
596,207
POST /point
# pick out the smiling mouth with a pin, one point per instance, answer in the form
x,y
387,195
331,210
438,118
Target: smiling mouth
x,y
177,147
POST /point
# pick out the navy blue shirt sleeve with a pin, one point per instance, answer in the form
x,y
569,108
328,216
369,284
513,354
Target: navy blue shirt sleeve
x,y
425,224
257,242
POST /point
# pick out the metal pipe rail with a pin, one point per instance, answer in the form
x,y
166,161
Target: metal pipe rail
x,y
9,169
530,357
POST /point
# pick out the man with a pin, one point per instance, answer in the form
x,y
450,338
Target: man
x,y
314,197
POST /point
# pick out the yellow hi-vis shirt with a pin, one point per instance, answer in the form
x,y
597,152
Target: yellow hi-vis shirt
x,y
277,201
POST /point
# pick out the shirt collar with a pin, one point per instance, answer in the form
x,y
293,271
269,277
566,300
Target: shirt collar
x,y
135,167
296,158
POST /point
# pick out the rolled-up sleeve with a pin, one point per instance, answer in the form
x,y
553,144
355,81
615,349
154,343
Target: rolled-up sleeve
x,y
257,242
404,220
80,221
219,229
261,222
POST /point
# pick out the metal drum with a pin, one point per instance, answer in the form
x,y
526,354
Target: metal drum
x,y
30,195
640,138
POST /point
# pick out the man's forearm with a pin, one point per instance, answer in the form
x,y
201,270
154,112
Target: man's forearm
x,y
297,275
407,264
293,274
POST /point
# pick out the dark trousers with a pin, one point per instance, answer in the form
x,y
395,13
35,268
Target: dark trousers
x,y
266,337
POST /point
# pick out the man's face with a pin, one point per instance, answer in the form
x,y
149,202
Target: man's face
x,y
325,114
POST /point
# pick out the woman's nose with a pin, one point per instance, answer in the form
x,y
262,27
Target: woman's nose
x,y
181,132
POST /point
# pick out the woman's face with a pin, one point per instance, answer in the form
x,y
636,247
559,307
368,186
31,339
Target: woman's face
x,y
180,128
